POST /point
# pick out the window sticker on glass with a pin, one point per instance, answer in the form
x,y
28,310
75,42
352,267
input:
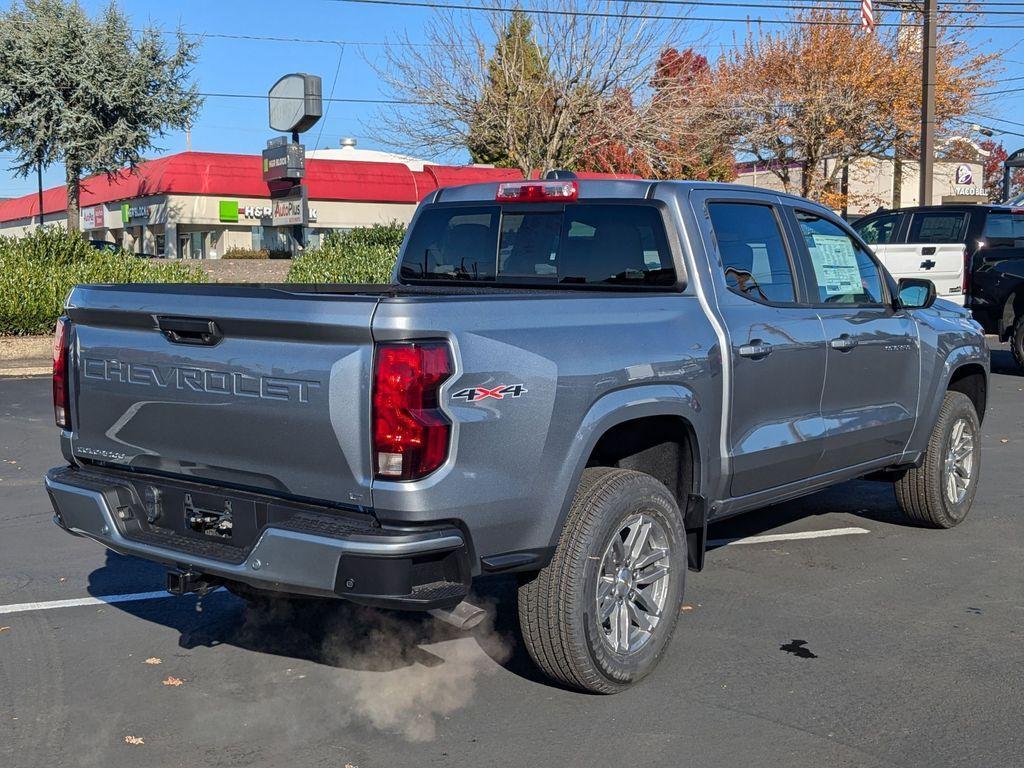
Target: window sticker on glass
x,y
835,264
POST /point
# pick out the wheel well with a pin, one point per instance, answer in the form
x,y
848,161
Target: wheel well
x,y
970,379
661,446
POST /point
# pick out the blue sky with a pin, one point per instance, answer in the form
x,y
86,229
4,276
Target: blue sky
x,y
251,66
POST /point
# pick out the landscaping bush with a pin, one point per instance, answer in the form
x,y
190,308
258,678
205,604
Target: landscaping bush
x,y
246,253
38,270
362,255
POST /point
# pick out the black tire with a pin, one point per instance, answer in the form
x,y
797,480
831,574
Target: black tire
x,y
558,608
922,492
1017,341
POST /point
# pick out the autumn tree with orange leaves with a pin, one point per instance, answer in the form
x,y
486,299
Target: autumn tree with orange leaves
x,y
823,89
685,148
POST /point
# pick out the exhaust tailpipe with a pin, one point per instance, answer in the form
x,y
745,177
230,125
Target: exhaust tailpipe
x,y
463,616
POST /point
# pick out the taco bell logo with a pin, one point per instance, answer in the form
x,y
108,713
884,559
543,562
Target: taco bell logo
x,y
964,176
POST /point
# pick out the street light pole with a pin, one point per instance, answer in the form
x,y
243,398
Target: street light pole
x,y
928,48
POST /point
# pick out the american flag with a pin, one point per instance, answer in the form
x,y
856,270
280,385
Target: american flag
x,y
867,16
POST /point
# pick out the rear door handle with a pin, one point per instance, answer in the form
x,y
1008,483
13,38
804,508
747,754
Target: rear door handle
x,y
189,330
928,250
755,350
844,343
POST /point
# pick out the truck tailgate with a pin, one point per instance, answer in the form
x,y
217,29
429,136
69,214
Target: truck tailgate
x,y
943,264
276,399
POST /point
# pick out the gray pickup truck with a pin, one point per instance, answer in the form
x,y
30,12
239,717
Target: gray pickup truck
x,y
568,380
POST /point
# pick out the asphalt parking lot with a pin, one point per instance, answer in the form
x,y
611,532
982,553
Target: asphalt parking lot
x,y
894,646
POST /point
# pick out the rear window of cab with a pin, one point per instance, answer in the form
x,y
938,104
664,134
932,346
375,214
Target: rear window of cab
x,y
573,244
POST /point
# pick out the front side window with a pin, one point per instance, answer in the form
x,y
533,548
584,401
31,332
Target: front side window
x,y
879,230
844,272
938,227
753,251
578,244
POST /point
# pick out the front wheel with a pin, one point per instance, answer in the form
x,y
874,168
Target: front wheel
x,y
939,493
599,616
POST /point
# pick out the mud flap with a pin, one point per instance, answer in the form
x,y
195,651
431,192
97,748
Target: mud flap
x,y
696,523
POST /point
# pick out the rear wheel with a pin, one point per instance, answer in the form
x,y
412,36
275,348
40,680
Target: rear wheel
x,y
939,493
599,616
1017,341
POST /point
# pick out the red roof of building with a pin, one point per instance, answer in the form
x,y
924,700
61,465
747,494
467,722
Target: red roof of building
x,y
209,173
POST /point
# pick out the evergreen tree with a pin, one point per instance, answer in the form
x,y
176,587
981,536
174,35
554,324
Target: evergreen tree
x,y
90,93
516,92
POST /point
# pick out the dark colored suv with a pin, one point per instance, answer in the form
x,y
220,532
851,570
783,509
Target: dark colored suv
x,y
994,272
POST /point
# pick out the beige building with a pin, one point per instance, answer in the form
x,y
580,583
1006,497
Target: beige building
x,y
872,182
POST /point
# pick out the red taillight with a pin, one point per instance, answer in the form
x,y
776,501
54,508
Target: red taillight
x,y
61,393
537,191
410,431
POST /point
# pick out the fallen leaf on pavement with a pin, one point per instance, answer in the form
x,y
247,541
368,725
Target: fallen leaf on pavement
x,y
1003,440
175,681
4,629
133,740
152,660
686,608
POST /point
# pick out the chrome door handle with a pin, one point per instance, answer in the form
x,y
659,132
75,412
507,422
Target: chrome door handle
x,y
755,350
844,343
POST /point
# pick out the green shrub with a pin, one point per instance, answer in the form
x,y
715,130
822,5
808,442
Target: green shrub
x,y
362,255
39,270
246,253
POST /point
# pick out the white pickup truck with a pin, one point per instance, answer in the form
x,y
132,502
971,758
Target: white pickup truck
x,y
927,243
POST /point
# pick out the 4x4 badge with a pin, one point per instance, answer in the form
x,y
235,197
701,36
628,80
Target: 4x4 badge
x,y
500,392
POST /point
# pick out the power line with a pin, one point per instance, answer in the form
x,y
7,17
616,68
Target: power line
x,y
997,130
337,71
653,17
332,99
601,14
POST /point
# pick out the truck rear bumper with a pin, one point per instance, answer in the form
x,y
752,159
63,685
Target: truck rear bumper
x,y
409,570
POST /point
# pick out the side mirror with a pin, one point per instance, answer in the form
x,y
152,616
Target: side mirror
x,y
915,293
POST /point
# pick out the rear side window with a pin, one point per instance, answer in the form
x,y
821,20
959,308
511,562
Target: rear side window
x,y
880,229
753,252
1004,230
938,227
577,244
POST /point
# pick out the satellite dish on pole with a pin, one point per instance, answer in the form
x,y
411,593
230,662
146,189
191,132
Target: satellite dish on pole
x,y
295,103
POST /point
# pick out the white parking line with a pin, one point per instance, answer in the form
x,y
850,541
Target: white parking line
x,y
796,535
75,602
161,595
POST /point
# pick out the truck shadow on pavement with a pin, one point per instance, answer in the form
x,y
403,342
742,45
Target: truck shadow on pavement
x,y
351,637
334,633
1003,363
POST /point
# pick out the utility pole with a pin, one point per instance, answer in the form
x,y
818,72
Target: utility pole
x,y
928,45
39,180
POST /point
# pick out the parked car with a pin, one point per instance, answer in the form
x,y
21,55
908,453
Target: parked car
x,y
103,245
567,380
993,240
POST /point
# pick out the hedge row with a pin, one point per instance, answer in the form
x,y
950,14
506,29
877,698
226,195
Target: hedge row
x,y
363,255
39,270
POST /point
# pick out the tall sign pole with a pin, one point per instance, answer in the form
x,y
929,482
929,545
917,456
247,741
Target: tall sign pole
x,y
295,105
928,48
